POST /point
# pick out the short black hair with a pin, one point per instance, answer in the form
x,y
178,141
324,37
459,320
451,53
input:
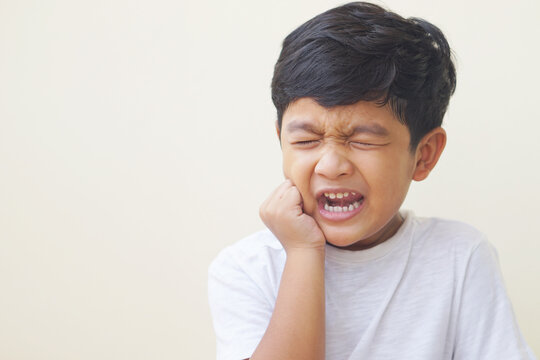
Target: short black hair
x,y
360,51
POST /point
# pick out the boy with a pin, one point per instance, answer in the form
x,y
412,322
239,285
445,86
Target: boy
x,y
342,273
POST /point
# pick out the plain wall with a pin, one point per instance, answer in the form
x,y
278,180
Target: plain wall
x,y
137,140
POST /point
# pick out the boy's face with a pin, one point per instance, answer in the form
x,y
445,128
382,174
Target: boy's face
x,y
353,167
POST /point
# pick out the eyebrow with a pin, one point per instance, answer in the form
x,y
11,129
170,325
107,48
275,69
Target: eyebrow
x,y
304,126
374,129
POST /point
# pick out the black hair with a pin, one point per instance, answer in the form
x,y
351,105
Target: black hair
x,y
360,51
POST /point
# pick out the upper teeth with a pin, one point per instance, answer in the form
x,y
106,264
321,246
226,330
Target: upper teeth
x,y
338,195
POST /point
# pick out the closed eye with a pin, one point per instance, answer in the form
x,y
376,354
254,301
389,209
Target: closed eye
x,y
305,142
366,145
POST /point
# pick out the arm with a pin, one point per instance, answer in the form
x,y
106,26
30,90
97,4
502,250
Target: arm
x,y
296,329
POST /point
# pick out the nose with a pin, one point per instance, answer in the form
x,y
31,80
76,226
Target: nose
x,y
333,164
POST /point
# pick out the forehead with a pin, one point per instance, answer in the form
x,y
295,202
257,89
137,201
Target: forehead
x,y
345,119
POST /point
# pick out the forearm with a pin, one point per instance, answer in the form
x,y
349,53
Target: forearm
x,y
296,329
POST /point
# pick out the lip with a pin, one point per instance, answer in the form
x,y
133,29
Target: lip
x,y
337,216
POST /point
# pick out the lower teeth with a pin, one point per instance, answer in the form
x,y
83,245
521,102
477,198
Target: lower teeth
x,y
351,207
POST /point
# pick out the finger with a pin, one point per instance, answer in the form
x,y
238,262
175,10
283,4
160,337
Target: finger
x,y
280,190
277,193
292,196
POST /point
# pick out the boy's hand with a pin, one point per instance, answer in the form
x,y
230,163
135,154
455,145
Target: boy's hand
x,y
282,213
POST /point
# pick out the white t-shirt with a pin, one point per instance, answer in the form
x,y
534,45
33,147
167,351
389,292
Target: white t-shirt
x,y
432,291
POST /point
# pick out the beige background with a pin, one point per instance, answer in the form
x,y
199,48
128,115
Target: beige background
x,y
137,140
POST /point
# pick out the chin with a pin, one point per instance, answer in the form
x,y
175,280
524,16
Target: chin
x,y
343,245
341,237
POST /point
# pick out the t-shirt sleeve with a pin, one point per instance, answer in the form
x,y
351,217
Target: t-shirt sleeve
x,y
240,310
486,327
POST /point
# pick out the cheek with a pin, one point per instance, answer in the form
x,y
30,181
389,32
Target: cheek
x,y
287,162
290,166
293,161
299,169
389,175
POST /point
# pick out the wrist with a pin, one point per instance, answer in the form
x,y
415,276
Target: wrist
x,y
316,252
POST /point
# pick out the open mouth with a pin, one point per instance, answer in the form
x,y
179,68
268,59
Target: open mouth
x,y
341,202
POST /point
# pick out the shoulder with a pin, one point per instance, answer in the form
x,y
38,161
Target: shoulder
x,y
446,243
254,250
248,271
242,288
462,265
448,234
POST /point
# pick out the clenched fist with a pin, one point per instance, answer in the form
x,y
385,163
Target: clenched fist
x,y
282,213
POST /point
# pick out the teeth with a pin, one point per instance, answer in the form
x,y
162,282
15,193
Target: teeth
x,y
351,207
338,195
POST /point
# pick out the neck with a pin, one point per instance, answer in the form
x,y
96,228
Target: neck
x,y
385,233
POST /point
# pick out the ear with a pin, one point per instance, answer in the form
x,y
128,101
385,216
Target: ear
x,y
428,152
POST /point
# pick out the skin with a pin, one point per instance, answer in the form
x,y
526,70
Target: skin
x,y
362,148
326,154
